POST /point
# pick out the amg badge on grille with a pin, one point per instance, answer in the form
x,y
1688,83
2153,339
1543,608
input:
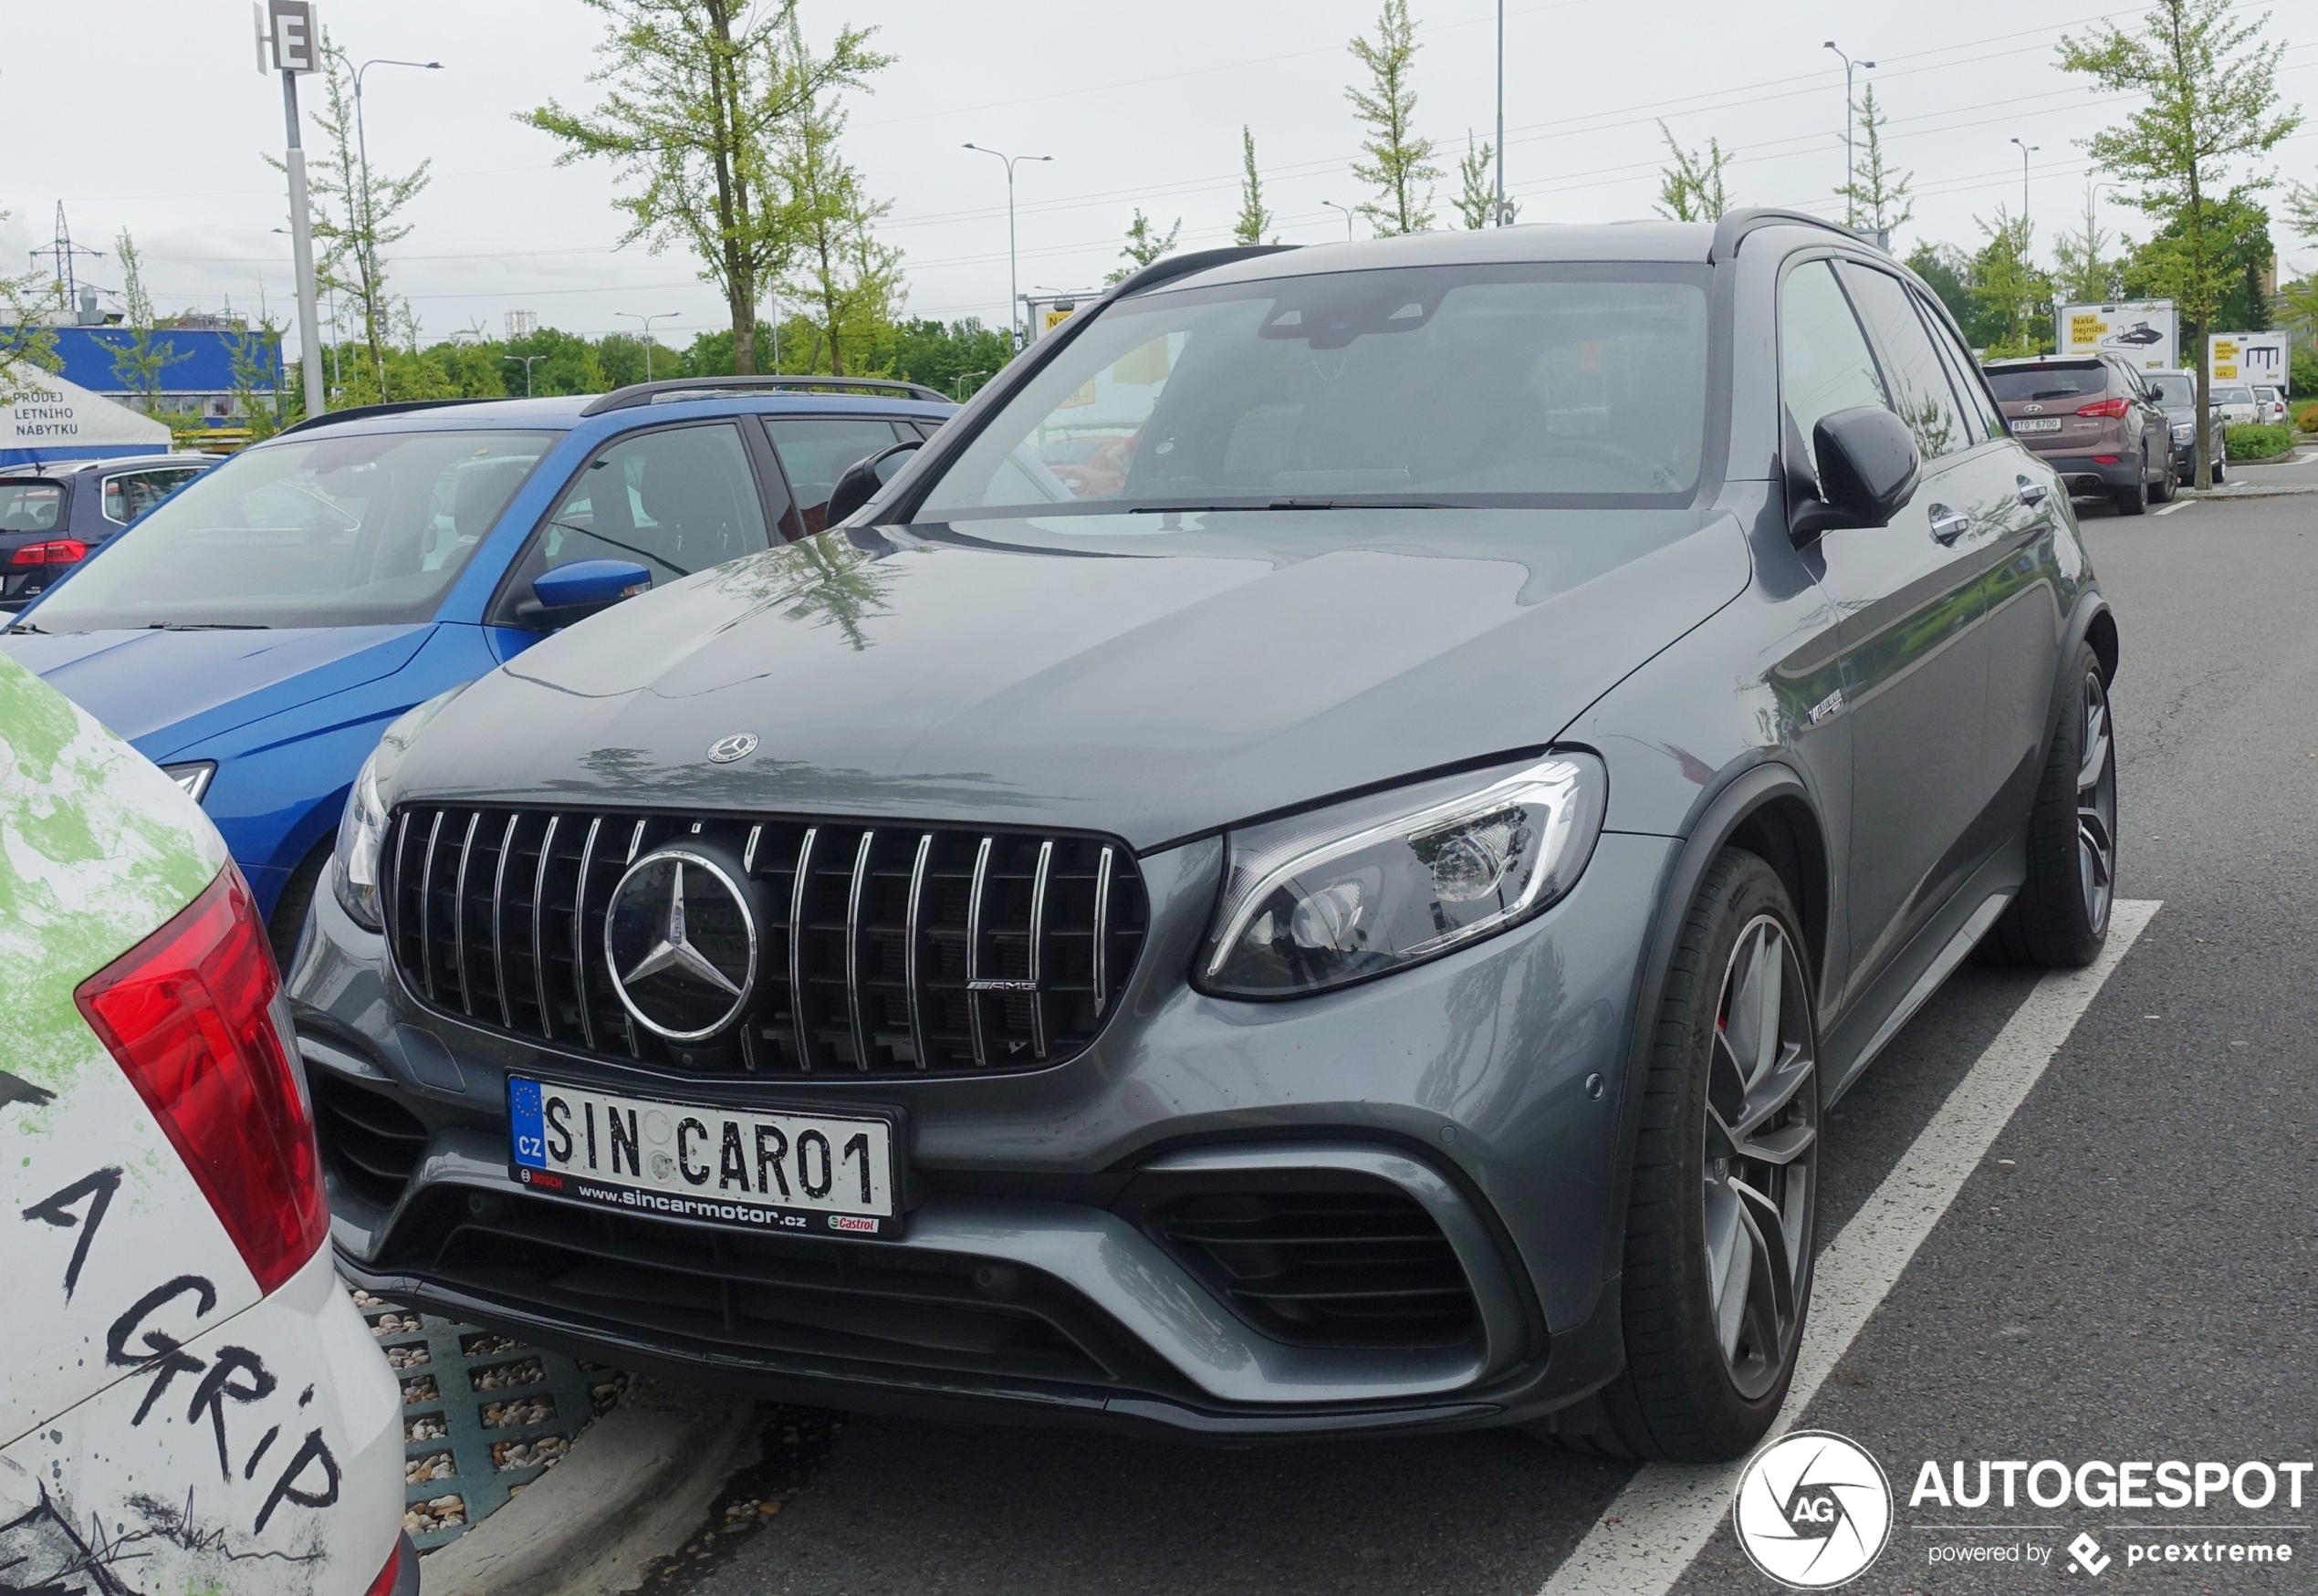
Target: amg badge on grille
x,y
739,746
680,938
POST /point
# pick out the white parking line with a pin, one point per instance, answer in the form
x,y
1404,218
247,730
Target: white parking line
x,y
2176,505
1652,1530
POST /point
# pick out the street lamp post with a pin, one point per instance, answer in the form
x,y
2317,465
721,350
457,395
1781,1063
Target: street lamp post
x,y
2026,150
287,28
1013,285
369,226
1332,206
529,361
1851,174
648,320
1500,112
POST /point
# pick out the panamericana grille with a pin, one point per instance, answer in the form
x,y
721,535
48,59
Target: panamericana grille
x,y
891,950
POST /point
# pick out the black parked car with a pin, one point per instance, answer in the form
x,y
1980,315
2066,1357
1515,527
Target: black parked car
x,y
2177,391
52,515
1349,918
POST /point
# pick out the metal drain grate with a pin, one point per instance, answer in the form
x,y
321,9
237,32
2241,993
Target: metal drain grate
x,y
483,1415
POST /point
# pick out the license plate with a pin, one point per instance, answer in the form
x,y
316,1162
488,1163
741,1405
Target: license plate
x,y
775,1172
2052,425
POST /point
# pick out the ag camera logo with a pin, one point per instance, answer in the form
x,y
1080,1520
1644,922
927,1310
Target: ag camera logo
x,y
1812,1510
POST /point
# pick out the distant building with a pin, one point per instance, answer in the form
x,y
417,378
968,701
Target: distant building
x,y
197,381
522,324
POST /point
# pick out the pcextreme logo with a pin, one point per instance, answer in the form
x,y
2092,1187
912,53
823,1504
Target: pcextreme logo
x,y
1812,1510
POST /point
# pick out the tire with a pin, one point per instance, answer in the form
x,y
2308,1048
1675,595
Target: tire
x,y
289,923
1690,1393
2061,917
2133,500
2217,470
2162,493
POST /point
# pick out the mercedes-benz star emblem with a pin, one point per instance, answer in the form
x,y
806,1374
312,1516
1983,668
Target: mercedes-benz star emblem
x,y
680,939
739,746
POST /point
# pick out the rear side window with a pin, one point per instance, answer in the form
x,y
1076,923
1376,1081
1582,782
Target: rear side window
x,y
1962,375
815,450
1920,388
675,500
132,493
30,506
1824,365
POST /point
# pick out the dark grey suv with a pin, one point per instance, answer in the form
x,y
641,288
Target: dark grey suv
x,y
1346,911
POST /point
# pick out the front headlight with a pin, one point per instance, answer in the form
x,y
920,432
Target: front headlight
x,y
1326,899
361,836
2186,432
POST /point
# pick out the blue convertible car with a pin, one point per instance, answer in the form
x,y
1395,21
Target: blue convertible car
x,y
255,634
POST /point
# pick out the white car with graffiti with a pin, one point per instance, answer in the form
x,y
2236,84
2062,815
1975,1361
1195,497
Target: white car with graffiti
x,y
190,1405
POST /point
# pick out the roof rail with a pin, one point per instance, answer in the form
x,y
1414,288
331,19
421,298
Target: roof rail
x,y
1736,225
330,418
636,393
1198,260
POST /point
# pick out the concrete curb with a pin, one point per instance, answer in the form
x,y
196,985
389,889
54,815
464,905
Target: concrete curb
x,y
635,1486
2281,490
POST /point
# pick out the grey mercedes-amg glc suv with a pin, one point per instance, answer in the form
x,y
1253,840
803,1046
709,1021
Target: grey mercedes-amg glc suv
x,y
1310,863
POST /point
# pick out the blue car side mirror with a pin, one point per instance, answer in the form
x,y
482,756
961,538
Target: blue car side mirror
x,y
575,592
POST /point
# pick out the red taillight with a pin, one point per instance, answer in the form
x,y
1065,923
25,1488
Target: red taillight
x,y
2106,459
2112,408
56,551
388,1576
186,1014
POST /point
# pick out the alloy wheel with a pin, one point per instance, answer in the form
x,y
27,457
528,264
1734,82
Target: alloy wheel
x,y
2097,808
1761,1156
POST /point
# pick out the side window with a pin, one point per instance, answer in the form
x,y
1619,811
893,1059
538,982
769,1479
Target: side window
x,y
131,492
1824,365
1920,388
815,450
1962,374
676,501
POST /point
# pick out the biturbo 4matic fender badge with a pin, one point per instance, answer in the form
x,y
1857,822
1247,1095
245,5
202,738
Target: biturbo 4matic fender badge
x,y
680,935
725,750
1812,1509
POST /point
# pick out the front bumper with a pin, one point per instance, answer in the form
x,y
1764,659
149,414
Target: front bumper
x,y
1039,1278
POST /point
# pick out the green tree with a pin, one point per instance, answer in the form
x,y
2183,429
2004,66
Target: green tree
x,y
30,306
1400,164
1945,268
1692,190
848,281
2012,297
253,358
2239,263
1255,221
138,360
2208,102
2088,275
356,214
1476,187
956,357
1876,198
698,94
1144,244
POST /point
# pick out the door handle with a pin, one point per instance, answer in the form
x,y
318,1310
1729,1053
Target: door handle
x,y
1947,526
2033,493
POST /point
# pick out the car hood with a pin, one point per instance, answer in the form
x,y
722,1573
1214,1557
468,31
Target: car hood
x,y
165,691
1150,678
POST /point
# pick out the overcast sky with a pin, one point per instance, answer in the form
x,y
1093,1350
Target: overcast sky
x,y
151,115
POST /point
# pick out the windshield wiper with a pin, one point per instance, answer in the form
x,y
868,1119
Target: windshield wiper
x,y
28,625
208,626
1292,504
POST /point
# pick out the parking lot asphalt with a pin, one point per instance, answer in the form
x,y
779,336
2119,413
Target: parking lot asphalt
x,y
2128,1273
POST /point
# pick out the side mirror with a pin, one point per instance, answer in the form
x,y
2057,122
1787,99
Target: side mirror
x,y
1867,466
864,478
573,592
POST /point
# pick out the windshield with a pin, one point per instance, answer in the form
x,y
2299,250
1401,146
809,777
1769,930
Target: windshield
x,y
30,506
2233,396
2172,389
2015,384
331,531
1429,385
